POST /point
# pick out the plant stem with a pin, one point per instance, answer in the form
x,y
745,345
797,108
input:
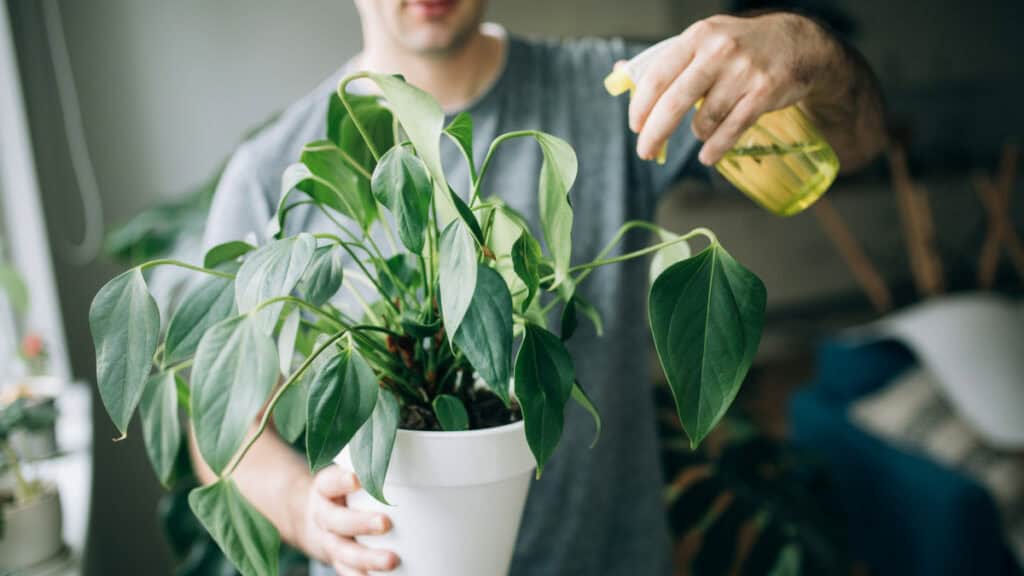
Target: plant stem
x,y
345,246
343,96
180,264
180,365
637,253
301,304
487,160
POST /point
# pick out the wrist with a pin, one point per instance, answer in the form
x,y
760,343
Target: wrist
x,y
296,528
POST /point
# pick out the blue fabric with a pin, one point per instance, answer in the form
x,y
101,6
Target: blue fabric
x,y
906,514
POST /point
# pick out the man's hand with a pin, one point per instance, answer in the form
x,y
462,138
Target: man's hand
x,y
328,526
744,67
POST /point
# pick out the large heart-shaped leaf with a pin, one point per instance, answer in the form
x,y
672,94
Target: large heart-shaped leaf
x,y
401,183
337,115
323,278
544,378
485,334
557,174
451,413
341,399
706,315
208,303
160,426
423,120
287,335
377,120
457,270
235,369
125,324
460,130
335,183
371,446
248,539
272,270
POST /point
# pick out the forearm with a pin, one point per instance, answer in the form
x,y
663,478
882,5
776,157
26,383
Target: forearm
x,y
845,101
273,477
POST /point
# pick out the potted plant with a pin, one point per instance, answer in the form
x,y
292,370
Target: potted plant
x,y
452,356
30,513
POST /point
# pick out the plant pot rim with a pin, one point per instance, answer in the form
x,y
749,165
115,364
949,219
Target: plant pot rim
x,y
461,434
49,492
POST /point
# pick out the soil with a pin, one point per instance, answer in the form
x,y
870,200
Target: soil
x,y
485,409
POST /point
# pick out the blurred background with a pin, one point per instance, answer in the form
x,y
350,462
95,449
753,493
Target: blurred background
x,y
130,106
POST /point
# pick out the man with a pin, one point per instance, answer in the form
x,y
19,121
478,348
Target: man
x,y
595,511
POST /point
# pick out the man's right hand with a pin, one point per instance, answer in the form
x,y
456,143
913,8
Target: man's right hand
x,y
329,526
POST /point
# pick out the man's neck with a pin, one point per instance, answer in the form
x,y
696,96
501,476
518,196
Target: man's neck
x,y
455,80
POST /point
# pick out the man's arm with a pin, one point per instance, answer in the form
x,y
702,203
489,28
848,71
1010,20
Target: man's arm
x,y
744,67
308,511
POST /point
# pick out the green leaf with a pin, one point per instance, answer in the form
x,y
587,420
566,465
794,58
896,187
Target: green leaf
x,y
461,132
581,398
570,316
526,258
160,426
14,286
271,271
569,320
341,399
557,174
669,255
371,446
706,315
125,324
226,252
422,119
590,311
401,183
457,272
248,539
467,216
290,410
544,377
451,413
337,114
211,301
286,337
323,278
235,369
404,267
333,182
378,122
485,334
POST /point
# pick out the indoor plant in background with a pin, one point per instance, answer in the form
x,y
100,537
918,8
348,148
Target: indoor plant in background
x,y
30,513
434,349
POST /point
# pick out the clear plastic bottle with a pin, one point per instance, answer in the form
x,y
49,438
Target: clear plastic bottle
x,y
782,162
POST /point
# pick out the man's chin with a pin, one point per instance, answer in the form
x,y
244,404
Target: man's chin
x,y
434,42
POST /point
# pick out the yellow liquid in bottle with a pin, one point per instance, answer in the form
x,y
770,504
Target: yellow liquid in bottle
x,y
781,162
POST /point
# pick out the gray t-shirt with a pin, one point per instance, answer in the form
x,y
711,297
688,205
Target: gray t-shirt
x,y
595,511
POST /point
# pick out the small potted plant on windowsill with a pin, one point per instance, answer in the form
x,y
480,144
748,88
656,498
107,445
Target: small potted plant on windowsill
x,y
427,395
30,513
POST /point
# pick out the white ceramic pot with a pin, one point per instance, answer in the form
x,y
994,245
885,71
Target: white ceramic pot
x,y
32,532
457,500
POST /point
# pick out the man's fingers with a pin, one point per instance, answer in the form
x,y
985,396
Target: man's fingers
x,y
334,482
342,570
673,104
665,67
347,522
352,555
742,116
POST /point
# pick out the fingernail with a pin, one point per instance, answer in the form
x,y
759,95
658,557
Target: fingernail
x,y
381,524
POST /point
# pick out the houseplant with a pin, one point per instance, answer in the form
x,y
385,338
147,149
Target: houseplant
x,y
30,513
434,351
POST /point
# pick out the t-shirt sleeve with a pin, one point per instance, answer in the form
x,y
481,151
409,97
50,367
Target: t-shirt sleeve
x,y
242,205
